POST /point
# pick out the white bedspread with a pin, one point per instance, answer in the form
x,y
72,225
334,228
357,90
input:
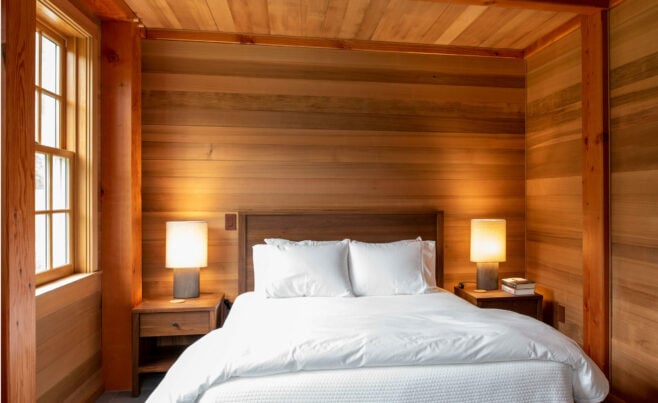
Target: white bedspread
x,y
270,336
496,382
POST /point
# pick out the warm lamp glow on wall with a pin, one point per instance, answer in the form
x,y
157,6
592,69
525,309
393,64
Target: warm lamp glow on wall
x,y
187,251
488,247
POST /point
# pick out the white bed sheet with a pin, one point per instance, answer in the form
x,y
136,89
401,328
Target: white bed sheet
x,y
518,381
264,337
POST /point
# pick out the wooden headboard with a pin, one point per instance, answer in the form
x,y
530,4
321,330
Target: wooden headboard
x,y
324,226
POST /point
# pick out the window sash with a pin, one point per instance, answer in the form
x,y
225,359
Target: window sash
x,y
49,212
47,251
42,92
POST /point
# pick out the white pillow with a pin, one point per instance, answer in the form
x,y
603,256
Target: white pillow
x,y
297,270
429,255
387,268
283,242
261,259
429,262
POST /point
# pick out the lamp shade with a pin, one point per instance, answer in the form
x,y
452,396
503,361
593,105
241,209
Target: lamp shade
x,y
488,240
187,244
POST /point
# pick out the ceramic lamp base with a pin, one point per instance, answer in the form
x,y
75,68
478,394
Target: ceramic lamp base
x,y
487,276
186,283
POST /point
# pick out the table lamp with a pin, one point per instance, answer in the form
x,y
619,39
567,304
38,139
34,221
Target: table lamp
x,y
187,251
487,249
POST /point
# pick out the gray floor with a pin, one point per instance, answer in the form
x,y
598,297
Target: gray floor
x,y
149,382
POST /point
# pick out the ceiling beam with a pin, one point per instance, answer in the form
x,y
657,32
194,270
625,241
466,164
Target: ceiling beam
x,y
346,44
575,6
110,9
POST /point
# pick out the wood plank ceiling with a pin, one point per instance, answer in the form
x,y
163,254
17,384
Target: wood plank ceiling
x,y
413,22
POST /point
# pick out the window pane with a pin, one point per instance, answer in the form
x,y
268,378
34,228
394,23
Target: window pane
x,y
49,65
49,121
41,181
60,183
61,242
41,242
36,116
36,51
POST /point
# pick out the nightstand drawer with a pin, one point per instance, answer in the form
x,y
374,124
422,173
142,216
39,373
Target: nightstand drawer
x,y
174,323
526,307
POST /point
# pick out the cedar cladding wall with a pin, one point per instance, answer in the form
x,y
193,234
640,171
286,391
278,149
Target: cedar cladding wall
x,y
634,200
69,341
554,216
231,128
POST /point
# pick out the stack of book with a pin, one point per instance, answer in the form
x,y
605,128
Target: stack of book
x,y
518,286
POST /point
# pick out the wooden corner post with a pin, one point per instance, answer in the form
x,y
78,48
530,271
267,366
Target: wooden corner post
x,y
596,175
18,266
121,204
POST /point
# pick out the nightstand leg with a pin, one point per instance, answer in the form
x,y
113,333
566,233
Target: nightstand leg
x,y
136,390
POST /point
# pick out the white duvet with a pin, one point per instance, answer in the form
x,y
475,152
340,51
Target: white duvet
x,y
268,336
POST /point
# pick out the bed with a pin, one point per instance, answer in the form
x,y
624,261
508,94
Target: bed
x,y
353,336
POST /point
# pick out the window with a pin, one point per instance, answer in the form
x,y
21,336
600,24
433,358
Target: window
x,y
65,130
53,161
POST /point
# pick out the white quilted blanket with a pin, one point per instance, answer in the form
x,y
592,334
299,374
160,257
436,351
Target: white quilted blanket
x,y
269,336
496,382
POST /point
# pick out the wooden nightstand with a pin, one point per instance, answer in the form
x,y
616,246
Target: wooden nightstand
x,y
530,305
162,330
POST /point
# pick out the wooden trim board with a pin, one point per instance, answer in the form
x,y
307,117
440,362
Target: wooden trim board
x,y
574,6
347,44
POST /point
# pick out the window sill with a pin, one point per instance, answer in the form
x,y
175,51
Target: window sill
x,y
63,282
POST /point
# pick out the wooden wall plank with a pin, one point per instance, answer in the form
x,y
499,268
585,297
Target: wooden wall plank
x,y
18,271
240,136
289,86
121,230
596,249
553,187
634,199
192,53
69,340
311,129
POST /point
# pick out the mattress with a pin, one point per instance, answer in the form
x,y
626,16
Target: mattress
x,y
342,349
521,381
